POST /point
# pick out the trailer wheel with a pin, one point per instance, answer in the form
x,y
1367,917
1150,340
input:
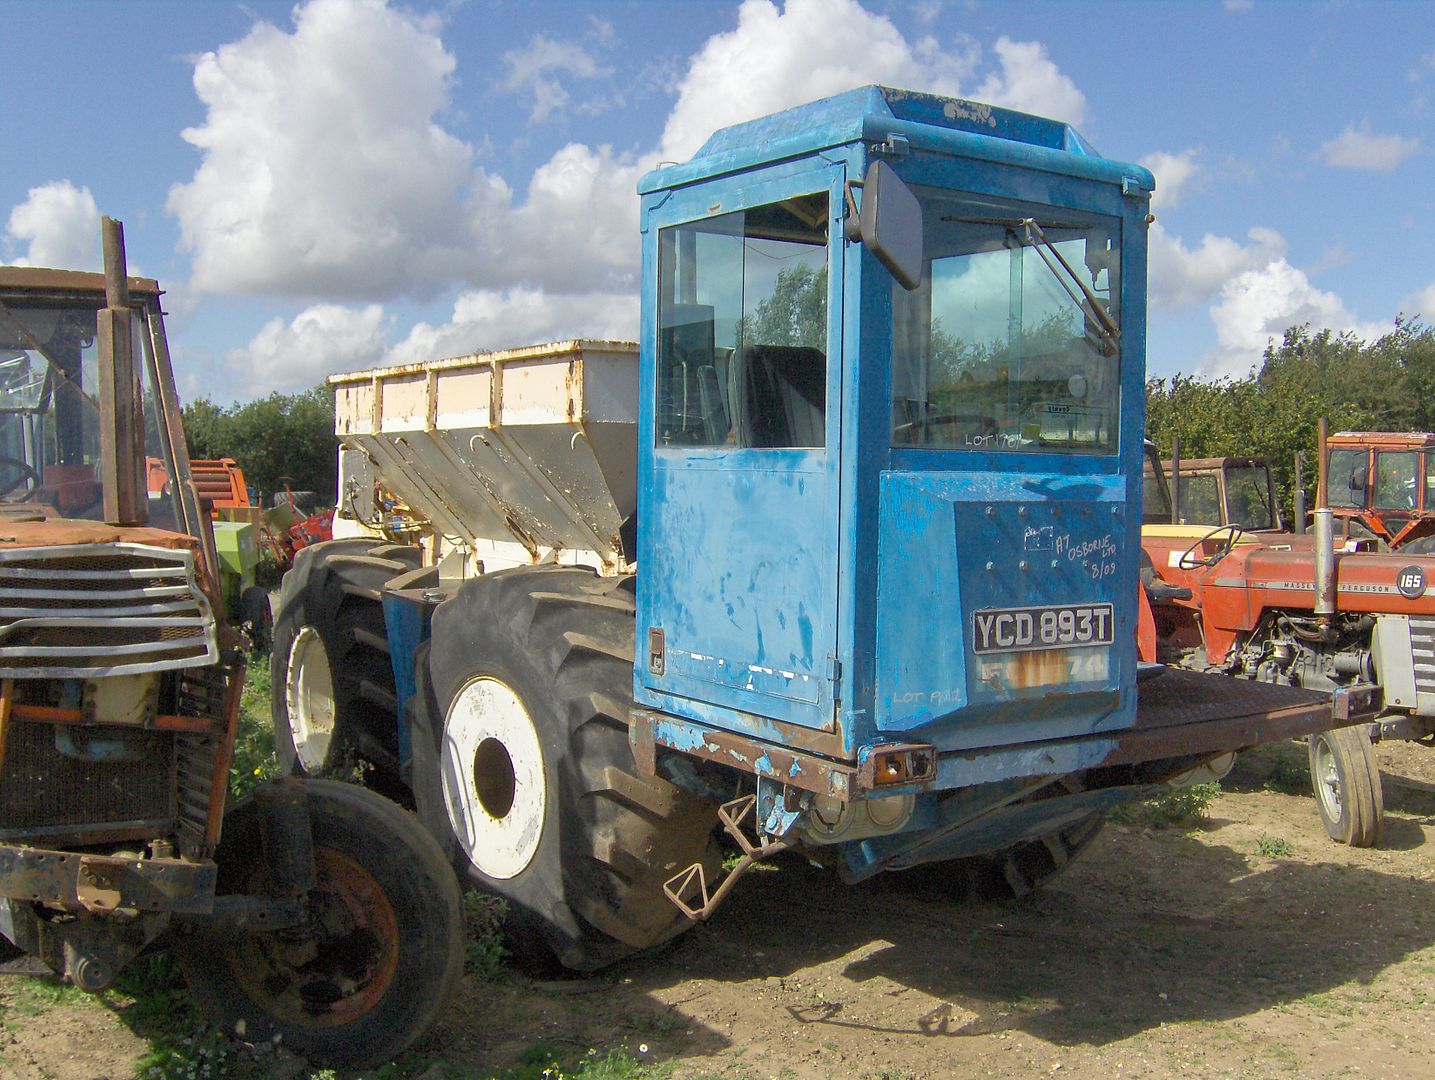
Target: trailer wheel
x,y
1009,874
531,675
333,698
1347,785
377,960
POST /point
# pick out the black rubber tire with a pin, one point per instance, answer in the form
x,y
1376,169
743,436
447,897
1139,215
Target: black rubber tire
x,y
403,964
1009,874
561,640
1346,783
335,588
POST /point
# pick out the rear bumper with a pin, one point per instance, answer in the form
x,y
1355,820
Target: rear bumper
x,y
1182,718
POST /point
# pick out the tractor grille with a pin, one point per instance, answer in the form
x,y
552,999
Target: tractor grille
x,y
1422,649
101,609
76,784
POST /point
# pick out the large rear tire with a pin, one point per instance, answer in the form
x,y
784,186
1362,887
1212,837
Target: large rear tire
x,y
333,698
530,676
379,957
1347,785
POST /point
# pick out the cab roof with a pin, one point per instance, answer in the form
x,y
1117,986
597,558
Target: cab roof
x,y
873,113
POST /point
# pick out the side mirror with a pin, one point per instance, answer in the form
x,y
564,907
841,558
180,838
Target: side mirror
x,y
890,223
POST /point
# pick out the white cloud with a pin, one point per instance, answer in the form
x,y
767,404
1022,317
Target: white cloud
x,y
536,70
1258,306
1421,304
324,172
319,341
1031,82
1181,276
488,319
1359,149
60,226
1174,173
771,61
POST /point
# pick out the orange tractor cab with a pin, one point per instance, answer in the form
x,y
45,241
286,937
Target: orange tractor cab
x,y
1382,484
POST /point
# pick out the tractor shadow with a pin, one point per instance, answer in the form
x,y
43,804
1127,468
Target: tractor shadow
x,y
1146,929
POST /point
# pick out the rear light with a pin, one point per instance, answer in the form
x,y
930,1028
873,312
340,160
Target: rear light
x,y
897,766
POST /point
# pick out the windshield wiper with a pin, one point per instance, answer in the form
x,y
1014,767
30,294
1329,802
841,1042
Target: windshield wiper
x,y
1036,238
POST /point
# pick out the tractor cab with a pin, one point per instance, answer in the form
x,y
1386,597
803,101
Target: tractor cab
x,y
1213,491
894,350
1382,484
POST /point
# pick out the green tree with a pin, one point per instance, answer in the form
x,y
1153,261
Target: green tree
x,y
795,313
278,439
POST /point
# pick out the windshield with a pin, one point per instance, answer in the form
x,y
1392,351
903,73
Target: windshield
x,y
1347,478
50,411
1012,340
1248,497
1395,480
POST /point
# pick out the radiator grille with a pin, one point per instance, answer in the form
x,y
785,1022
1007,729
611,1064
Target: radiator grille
x,y
63,781
101,609
1422,648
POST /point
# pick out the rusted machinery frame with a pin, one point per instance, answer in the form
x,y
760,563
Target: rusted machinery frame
x,y
70,878
224,757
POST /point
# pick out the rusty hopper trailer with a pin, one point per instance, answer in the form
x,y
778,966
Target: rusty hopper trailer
x,y
779,568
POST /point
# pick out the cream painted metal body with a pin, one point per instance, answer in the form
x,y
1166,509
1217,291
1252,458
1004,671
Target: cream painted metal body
x,y
517,457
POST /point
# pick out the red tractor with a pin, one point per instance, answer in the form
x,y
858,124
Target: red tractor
x,y
314,912
1300,610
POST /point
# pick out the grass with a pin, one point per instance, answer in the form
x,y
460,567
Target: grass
x,y
484,953
1289,776
1183,808
254,743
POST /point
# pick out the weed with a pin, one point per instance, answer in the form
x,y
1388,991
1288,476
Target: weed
x,y
1273,847
484,952
254,745
1185,807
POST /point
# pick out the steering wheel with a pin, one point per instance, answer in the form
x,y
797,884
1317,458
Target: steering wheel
x,y
1185,562
27,473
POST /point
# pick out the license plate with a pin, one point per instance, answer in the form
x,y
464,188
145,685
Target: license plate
x,y
1059,626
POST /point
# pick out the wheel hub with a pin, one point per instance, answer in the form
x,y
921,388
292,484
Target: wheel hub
x,y
493,779
1327,779
309,696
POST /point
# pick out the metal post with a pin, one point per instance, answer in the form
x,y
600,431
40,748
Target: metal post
x,y
121,405
1300,492
1175,480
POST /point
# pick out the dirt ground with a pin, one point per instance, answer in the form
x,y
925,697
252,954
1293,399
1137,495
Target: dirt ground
x,y
1158,953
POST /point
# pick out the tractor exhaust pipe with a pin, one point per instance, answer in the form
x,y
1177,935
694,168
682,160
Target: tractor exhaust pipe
x,y
1325,606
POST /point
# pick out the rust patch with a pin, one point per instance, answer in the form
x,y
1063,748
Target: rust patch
x,y
66,532
1039,668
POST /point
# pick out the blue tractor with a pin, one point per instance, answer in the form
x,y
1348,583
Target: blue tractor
x,y
841,558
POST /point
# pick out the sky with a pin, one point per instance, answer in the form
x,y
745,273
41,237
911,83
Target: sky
x,y
336,184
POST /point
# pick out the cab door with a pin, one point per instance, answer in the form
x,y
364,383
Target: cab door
x,y
738,519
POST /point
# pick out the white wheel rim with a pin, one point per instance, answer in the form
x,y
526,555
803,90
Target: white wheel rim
x,y
309,697
1327,779
493,779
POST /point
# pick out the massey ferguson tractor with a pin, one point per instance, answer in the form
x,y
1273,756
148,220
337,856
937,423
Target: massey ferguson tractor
x,y
1324,612
316,913
841,557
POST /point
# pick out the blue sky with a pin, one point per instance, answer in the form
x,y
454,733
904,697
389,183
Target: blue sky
x,y
340,183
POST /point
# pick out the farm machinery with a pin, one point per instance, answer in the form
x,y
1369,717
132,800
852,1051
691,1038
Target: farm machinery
x,y
841,558
1322,612
317,913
